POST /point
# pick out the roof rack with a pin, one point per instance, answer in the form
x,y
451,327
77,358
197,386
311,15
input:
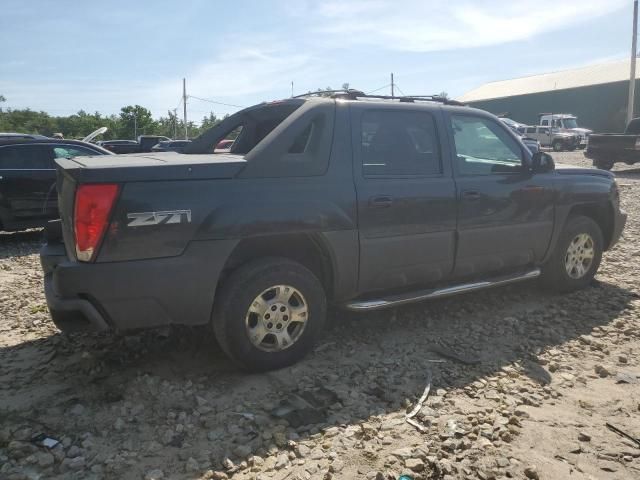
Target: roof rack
x,y
352,94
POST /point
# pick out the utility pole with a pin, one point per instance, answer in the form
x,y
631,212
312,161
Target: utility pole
x,y
392,85
175,123
135,126
634,50
184,104
292,89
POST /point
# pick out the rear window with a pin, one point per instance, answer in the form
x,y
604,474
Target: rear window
x,y
26,157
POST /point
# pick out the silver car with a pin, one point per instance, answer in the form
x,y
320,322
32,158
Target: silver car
x,y
553,138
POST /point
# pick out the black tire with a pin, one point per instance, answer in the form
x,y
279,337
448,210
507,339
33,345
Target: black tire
x,y
604,164
236,296
554,273
557,146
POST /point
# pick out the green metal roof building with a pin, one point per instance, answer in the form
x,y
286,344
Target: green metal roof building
x,y
596,94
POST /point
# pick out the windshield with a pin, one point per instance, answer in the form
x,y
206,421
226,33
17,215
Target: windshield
x,y
570,123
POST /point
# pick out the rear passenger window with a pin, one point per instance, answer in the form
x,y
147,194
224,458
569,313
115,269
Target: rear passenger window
x,y
26,157
531,129
399,143
68,151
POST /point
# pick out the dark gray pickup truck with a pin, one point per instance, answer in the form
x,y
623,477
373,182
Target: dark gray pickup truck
x,y
354,201
607,149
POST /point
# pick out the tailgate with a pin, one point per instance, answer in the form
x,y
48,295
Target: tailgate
x,y
612,142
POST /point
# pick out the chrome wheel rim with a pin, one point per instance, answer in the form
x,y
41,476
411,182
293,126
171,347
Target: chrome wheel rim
x,y
579,256
276,318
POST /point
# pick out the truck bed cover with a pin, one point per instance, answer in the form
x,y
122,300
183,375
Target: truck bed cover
x,y
151,167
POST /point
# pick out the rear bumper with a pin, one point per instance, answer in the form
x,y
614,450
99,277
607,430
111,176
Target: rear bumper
x,y
135,294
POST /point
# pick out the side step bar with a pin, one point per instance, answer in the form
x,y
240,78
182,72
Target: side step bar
x,y
420,295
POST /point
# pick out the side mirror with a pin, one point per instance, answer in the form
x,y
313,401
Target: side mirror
x,y
542,162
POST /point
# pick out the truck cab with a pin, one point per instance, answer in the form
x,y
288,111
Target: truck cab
x,y
565,122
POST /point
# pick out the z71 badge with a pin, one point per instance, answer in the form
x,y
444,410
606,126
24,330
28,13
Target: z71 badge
x,y
144,219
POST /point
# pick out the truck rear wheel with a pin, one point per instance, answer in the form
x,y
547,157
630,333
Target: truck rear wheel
x,y
269,313
577,256
604,164
557,146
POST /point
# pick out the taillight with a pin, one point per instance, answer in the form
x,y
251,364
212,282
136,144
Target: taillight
x,y
91,217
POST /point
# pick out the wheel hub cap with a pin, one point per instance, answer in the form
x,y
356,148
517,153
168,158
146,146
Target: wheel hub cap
x,y
579,256
276,318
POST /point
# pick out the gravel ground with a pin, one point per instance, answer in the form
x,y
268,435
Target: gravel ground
x,y
522,383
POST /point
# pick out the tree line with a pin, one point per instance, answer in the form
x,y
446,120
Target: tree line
x,y
131,121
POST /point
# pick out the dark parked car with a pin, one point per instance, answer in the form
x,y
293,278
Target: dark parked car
x,y
363,203
144,144
170,146
13,136
607,149
120,146
28,177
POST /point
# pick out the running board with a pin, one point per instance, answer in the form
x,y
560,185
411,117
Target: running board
x,y
420,295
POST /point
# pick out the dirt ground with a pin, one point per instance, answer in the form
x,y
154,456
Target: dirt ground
x,y
522,385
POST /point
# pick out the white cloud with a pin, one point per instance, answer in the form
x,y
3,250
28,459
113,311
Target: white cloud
x,y
422,26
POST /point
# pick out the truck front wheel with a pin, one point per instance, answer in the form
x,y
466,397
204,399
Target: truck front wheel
x,y
557,146
269,313
577,256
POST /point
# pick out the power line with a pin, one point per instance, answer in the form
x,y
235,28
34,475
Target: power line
x,y
378,89
400,90
218,103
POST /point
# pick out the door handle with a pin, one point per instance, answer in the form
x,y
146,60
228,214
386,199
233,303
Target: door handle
x,y
471,195
381,201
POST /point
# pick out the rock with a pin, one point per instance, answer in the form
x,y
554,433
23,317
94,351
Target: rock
x,y
76,463
74,451
415,464
242,451
155,474
336,466
403,453
602,371
623,359
531,472
502,462
192,465
119,424
282,461
583,437
302,451
77,410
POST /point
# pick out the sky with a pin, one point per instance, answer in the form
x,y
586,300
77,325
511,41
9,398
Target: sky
x,y
65,55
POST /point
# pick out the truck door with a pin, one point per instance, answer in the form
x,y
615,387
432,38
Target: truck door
x,y
27,174
505,213
406,196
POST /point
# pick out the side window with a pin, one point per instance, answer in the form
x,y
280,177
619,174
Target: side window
x,y
531,130
484,147
70,151
26,157
399,143
544,130
545,123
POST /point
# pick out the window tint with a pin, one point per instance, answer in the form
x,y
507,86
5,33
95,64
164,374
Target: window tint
x,y
544,130
544,122
484,147
531,129
34,157
70,151
301,142
399,143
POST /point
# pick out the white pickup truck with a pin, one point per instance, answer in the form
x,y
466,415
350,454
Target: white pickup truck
x,y
565,122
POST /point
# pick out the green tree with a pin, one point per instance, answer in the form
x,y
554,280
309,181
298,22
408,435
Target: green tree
x,y
135,119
